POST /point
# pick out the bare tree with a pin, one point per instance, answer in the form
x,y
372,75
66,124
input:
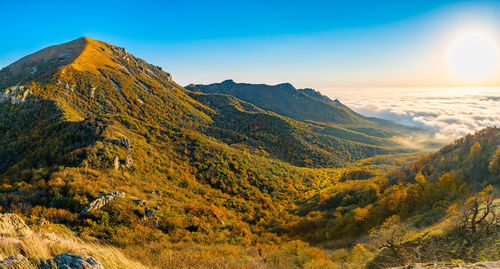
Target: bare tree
x,y
392,234
476,220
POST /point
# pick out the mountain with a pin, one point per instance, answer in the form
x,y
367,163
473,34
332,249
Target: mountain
x,y
306,105
85,78
284,99
86,118
101,147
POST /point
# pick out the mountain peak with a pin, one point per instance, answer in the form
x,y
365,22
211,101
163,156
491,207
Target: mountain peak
x,y
286,85
228,81
46,60
82,54
97,55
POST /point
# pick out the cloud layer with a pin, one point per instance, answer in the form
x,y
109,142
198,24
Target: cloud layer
x,y
449,112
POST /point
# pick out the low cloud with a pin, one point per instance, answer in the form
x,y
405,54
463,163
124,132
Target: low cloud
x,y
448,112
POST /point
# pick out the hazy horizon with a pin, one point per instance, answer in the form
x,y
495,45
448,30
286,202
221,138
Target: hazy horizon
x,y
450,112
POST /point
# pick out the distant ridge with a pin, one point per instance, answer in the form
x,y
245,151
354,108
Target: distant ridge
x,y
286,100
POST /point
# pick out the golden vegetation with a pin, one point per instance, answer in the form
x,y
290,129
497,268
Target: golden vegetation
x,y
218,182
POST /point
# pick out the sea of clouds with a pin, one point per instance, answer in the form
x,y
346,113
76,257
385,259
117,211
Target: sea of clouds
x,y
449,112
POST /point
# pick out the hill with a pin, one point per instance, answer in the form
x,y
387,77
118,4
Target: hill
x,y
284,99
101,120
109,149
118,83
310,105
429,211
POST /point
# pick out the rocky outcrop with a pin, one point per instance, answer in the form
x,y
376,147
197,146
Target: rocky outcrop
x,y
101,201
148,212
15,95
140,202
127,162
16,261
156,192
61,261
116,162
73,261
122,142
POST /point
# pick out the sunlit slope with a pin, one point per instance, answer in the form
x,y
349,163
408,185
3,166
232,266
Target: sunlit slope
x,y
196,169
104,81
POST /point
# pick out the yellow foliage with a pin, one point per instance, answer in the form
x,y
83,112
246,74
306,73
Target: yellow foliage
x,y
475,151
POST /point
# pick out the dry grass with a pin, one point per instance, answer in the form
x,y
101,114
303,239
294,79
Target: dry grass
x,y
49,240
95,55
43,244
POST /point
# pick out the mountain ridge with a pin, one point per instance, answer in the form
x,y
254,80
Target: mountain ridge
x,y
281,101
207,174
104,79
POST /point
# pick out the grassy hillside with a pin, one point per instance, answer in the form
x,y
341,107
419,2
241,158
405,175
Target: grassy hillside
x,y
208,179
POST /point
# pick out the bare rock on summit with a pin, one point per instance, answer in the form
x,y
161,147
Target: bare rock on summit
x,y
102,201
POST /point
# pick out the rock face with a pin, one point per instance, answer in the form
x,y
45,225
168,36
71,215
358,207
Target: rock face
x,y
122,142
116,162
482,265
15,95
128,162
101,201
73,261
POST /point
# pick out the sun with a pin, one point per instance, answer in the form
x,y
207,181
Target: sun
x,y
473,57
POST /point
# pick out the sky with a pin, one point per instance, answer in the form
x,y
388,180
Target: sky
x,y
320,44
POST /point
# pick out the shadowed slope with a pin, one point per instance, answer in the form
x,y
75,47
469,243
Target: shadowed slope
x,y
285,100
42,64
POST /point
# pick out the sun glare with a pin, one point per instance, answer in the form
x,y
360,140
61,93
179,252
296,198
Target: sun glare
x,y
473,57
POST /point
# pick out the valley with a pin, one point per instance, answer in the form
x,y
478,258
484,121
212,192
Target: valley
x,y
107,151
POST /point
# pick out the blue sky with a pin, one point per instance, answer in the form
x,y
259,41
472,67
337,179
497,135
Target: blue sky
x,y
321,44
